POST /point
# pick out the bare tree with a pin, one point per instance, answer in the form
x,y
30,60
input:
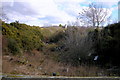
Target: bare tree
x,y
95,15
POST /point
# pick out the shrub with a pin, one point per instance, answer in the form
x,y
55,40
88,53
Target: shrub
x,y
77,46
22,36
13,46
57,37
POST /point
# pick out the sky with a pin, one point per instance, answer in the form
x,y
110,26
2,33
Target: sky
x,y
52,12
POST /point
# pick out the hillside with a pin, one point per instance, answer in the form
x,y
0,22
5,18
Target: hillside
x,y
33,50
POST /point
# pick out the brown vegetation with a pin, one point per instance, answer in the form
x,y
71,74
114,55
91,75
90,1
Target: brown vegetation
x,y
38,64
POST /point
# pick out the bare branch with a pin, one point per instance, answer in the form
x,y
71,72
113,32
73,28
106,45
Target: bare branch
x,y
95,15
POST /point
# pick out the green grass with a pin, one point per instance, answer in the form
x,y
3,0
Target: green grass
x,y
50,31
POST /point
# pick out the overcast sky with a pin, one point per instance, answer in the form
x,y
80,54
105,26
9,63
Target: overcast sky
x,y
51,12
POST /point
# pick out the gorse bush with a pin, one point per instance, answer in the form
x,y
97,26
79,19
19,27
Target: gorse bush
x,y
112,40
22,36
13,47
106,44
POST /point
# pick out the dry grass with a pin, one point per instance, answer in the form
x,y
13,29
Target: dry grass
x,y
68,70
36,63
39,64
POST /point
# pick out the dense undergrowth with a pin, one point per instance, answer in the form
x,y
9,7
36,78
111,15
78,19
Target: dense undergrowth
x,y
75,47
22,37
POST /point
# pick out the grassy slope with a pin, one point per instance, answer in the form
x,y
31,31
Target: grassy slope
x,y
50,31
